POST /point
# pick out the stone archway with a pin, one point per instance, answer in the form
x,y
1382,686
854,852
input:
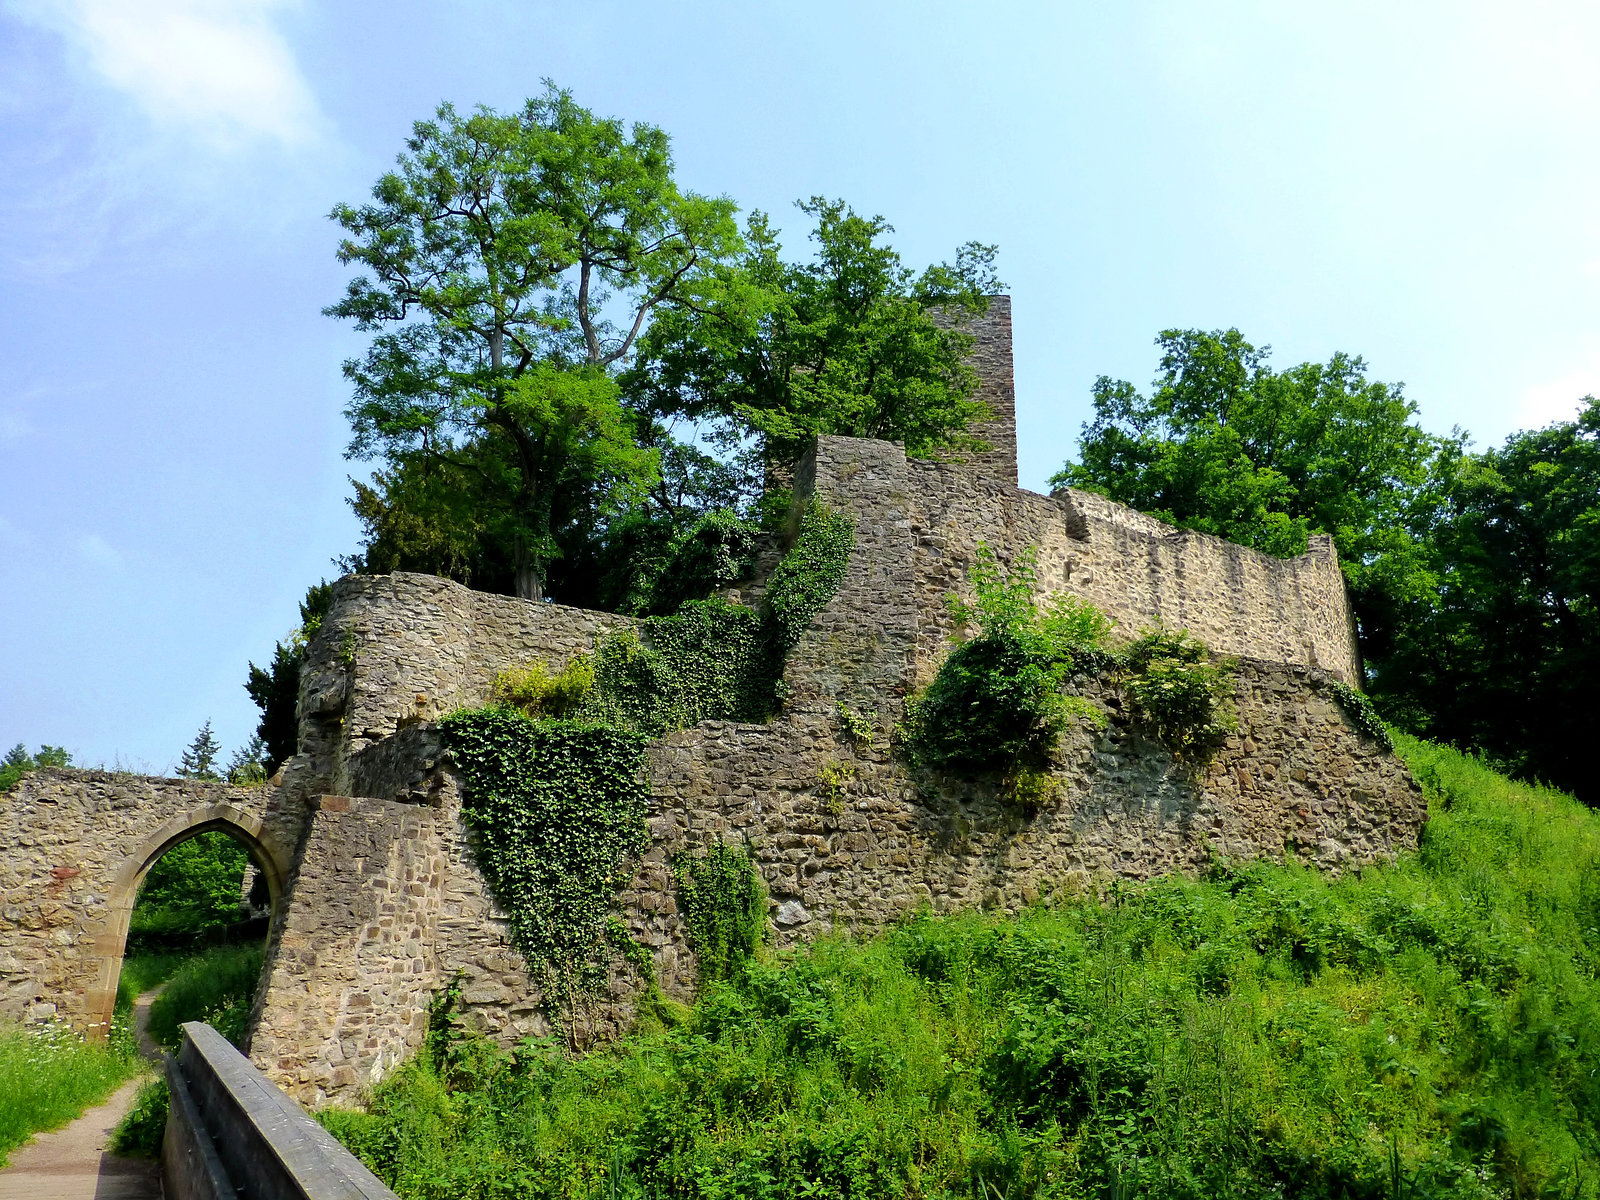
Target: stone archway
x,y
74,847
108,946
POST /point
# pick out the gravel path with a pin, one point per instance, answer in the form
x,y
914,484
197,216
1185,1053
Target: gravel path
x,y
72,1163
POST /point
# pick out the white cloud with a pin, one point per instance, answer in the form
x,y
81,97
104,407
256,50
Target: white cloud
x,y
218,67
1558,399
98,552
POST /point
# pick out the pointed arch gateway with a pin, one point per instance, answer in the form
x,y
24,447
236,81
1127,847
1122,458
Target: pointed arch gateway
x,y
246,828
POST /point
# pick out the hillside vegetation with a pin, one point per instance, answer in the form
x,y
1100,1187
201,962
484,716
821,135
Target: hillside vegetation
x,y
1427,1029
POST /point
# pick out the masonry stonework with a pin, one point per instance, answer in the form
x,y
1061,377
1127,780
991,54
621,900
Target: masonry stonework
x,y
379,899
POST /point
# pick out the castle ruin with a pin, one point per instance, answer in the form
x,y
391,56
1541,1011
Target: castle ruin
x,y
378,901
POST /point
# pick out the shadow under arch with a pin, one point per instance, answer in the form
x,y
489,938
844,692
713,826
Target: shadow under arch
x,y
244,827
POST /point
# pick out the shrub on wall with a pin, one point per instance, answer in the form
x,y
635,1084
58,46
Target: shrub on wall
x,y
998,702
998,698
536,693
724,907
1178,690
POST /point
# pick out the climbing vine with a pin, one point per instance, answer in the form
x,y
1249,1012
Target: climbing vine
x,y
1362,715
724,907
555,768
558,809
809,574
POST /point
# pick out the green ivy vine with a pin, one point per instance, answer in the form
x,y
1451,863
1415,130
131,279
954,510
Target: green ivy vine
x,y
724,907
555,771
558,807
1362,715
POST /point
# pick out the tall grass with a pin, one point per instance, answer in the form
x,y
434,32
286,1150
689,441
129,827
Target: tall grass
x,y
1426,1029
216,986
48,1075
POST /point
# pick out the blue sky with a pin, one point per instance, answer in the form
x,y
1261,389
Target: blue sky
x,y
1415,183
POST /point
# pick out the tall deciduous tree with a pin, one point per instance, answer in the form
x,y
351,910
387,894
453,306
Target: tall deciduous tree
x,y
1503,654
512,262
846,343
1228,445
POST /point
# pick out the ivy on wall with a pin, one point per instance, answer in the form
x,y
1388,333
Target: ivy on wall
x,y
1362,714
809,574
724,907
708,661
555,769
559,811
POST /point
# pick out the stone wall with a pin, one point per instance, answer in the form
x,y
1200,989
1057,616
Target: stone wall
x,y
990,359
77,846
350,971
924,520
395,650
1295,779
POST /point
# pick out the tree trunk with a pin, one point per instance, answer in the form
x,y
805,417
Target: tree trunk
x,y
527,582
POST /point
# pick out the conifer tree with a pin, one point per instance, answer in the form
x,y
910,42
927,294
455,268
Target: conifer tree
x,y
200,759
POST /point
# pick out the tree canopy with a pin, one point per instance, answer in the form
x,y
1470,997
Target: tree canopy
x,y
847,342
1502,653
1475,578
509,261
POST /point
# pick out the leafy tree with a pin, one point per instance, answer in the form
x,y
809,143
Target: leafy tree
x,y
494,254
193,887
1228,445
19,762
1502,654
848,343
200,759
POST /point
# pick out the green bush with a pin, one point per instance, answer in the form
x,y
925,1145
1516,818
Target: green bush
x,y
49,1075
1178,690
1427,1030
216,987
534,692
997,701
139,1133
724,908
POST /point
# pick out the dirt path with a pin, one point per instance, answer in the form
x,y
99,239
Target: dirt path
x,y
72,1163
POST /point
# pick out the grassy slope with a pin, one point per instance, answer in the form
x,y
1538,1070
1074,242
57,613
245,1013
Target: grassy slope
x,y
1428,1029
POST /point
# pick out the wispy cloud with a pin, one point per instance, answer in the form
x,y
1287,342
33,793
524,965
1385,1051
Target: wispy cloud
x,y
98,552
219,68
